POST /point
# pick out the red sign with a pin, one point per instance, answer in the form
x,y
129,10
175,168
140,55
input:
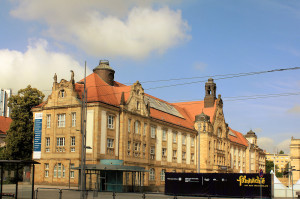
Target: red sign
x,y
261,173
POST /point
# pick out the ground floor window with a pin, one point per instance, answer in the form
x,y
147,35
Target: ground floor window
x,y
152,174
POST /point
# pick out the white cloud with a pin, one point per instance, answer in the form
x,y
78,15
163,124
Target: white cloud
x,y
295,109
200,66
284,146
270,146
36,67
109,28
266,143
257,130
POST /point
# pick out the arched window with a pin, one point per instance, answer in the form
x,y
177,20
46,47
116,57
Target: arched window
x,y
152,174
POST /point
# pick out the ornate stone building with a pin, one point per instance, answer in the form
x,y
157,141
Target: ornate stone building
x,y
124,123
295,158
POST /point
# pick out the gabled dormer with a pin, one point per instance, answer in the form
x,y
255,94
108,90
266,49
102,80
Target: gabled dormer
x,y
136,102
63,93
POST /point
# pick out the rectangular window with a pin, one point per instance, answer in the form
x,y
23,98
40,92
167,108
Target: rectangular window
x,y
152,150
192,157
73,141
174,153
183,155
137,127
46,170
73,144
48,121
72,173
174,137
144,148
164,152
183,139
61,120
60,141
162,175
145,128
110,122
110,143
164,135
47,141
153,131
129,125
193,141
73,119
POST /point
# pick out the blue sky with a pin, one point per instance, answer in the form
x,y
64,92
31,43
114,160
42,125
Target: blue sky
x,y
161,40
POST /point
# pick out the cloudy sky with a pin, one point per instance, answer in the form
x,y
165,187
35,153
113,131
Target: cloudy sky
x,y
171,47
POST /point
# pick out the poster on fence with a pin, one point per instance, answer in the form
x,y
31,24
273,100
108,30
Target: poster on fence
x,y
218,184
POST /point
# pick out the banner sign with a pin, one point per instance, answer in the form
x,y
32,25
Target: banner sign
x,y
37,135
218,184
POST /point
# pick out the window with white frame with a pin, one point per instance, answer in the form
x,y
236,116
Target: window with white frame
x,y
162,175
174,137
73,119
152,150
152,174
129,125
73,143
110,143
153,131
55,171
110,121
47,144
48,121
145,128
46,170
47,141
61,120
183,139
137,127
62,93
164,135
72,172
60,141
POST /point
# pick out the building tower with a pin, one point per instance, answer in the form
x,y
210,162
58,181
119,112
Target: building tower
x,y
210,93
251,137
105,72
4,95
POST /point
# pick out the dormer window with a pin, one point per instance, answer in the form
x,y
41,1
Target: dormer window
x,y
138,105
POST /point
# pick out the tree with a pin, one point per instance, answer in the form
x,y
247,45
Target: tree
x,y
19,138
281,152
269,166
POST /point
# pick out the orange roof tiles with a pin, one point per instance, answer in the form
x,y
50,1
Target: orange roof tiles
x,y
240,139
195,108
4,124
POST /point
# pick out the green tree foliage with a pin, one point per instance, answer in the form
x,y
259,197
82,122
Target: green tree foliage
x,y
269,166
19,140
281,152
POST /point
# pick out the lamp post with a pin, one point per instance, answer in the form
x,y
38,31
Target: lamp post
x,y
198,169
83,139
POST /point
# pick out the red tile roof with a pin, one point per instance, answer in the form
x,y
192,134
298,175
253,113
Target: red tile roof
x,y
4,124
195,108
240,139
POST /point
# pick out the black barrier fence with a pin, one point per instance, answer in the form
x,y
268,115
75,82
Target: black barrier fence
x,y
219,185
